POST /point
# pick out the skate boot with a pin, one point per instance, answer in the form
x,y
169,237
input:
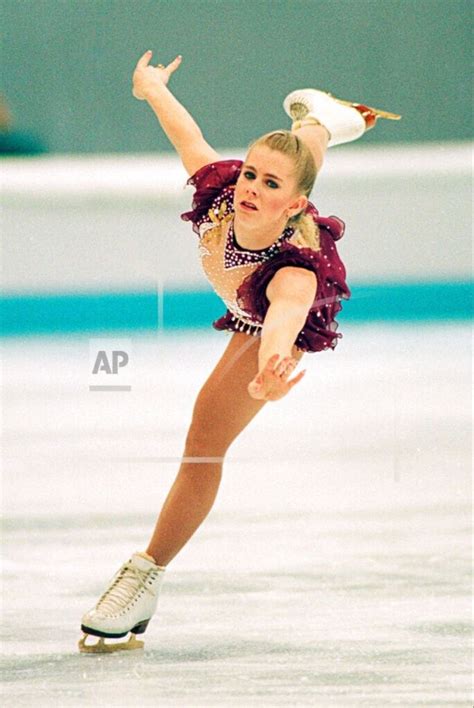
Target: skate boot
x,y
126,606
344,121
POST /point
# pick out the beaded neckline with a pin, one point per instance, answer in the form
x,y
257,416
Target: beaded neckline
x,y
235,255
286,233
250,250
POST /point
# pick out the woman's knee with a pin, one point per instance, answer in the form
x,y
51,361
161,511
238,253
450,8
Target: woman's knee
x,y
213,429
204,440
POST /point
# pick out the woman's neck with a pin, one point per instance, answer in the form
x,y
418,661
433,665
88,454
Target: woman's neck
x,y
254,237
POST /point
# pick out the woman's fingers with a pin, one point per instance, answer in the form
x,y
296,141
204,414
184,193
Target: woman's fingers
x,y
291,366
270,365
297,378
286,366
273,381
174,64
274,393
145,59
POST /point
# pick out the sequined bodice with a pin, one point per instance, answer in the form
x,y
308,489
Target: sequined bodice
x,y
226,263
240,276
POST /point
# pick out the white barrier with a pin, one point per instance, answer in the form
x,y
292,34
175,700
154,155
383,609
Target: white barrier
x,y
106,222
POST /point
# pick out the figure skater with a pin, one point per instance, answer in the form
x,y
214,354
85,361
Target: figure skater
x,y
273,260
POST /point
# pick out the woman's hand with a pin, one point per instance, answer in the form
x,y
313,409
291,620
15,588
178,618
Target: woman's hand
x,y
272,382
146,76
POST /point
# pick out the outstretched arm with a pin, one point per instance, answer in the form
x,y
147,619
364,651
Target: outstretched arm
x,y
150,84
291,293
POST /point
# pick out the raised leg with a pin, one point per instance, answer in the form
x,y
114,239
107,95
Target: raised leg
x,y
344,120
316,137
222,410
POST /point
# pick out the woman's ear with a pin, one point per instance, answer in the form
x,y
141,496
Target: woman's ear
x,y
299,205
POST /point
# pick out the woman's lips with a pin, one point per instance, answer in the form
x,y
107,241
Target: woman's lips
x,y
248,206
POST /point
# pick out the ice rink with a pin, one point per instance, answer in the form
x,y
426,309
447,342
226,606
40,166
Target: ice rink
x,y
333,570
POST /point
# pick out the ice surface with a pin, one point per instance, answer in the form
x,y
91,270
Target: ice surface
x,y
334,568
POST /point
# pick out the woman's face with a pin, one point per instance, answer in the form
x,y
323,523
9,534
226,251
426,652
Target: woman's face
x,y
268,183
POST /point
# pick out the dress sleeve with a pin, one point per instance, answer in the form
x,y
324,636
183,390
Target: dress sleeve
x,y
209,182
319,331
251,294
333,224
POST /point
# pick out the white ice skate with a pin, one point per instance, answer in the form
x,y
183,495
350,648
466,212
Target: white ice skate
x,y
126,606
345,121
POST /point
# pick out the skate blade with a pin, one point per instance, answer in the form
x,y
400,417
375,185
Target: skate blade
x,y
101,647
377,111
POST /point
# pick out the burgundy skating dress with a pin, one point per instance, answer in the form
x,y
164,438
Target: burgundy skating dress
x,y
240,277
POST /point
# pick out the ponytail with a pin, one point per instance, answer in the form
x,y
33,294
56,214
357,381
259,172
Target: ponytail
x,y
308,232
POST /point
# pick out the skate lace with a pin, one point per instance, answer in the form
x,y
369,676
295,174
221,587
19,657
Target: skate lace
x,y
126,585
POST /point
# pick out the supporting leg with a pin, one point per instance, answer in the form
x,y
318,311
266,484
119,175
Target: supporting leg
x,y
222,410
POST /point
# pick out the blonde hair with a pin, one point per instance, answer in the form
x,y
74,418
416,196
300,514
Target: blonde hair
x,y
305,173
290,144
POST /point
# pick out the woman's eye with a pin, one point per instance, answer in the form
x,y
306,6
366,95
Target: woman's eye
x,y
250,175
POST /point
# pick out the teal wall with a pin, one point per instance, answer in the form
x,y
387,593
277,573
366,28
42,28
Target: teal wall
x,y
67,313
67,66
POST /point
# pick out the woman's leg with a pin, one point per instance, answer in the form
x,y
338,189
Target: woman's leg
x,y
316,137
222,410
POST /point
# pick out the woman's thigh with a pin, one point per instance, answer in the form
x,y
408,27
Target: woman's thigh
x,y
224,407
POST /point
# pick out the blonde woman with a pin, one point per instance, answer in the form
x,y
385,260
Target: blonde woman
x,y
273,260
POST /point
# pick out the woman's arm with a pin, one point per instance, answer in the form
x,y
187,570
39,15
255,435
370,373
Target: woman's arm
x,y
291,293
149,84
285,318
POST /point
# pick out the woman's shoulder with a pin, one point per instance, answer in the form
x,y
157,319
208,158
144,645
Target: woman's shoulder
x,y
213,198
216,174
